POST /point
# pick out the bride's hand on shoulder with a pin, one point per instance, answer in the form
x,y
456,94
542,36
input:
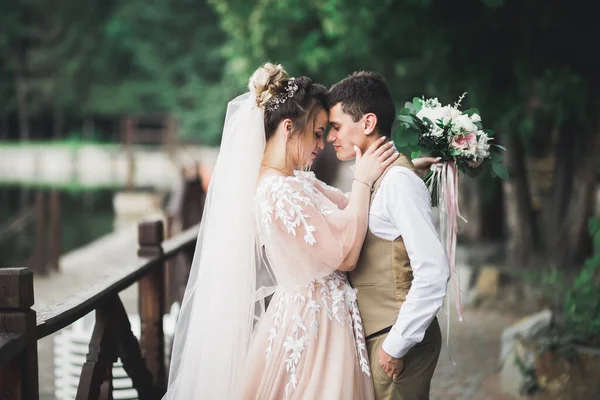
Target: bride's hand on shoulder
x,y
377,158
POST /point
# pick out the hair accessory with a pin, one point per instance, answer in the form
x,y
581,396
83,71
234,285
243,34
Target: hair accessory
x,y
290,90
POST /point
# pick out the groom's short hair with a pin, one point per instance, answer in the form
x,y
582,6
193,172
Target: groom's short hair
x,y
362,93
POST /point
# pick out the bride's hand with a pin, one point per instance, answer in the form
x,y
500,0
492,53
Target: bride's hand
x,y
377,158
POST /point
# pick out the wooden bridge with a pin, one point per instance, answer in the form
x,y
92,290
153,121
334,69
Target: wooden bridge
x,y
144,361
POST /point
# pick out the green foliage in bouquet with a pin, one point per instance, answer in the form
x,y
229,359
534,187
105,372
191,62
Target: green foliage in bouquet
x,y
413,136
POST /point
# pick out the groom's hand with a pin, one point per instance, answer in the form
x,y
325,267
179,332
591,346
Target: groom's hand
x,y
392,366
423,164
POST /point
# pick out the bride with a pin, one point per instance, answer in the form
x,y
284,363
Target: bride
x,y
265,215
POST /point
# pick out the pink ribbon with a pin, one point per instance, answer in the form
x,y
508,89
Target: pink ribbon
x,y
445,177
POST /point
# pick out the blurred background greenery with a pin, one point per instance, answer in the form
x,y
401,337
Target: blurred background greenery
x,y
72,72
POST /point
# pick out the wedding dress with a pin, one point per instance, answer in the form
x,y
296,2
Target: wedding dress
x,y
310,343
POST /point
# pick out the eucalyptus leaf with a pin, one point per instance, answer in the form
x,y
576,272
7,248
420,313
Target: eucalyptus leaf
x,y
471,111
500,170
412,138
496,158
399,139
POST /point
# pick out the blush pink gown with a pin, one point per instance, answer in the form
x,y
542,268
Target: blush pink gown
x,y
310,343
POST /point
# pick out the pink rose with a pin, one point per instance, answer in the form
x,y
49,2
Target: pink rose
x,y
471,142
459,142
471,139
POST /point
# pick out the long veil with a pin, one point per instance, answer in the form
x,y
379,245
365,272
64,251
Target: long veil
x,y
215,323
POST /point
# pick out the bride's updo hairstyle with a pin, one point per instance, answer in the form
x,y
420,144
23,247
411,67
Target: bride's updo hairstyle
x,y
302,99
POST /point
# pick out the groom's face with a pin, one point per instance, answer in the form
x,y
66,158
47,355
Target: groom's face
x,y
344,133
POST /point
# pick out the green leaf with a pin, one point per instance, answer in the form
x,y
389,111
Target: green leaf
x,y
454,152
412,138
430,122
500,170
471,111
415,154
489,132
405,111
409,119
496,158
399,137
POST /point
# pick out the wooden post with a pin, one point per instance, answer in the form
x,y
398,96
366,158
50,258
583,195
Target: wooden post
x,y
19,379
170,137
54,245
152,301
128,138
38,260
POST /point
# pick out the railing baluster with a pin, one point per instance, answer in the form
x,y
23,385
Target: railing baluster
x,y
151,302
19,378
96,373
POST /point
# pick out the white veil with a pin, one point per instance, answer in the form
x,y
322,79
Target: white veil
x,y
215,323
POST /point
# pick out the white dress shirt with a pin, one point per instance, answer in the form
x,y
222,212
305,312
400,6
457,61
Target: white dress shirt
x,y
402,207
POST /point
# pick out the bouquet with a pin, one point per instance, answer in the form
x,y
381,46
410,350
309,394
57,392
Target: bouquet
x,y
458,138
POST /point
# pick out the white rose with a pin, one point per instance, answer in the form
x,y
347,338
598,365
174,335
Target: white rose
x,y
465,123
475,118
437,131
432,113
483,147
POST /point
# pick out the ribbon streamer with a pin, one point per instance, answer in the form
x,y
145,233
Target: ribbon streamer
x,y
445,178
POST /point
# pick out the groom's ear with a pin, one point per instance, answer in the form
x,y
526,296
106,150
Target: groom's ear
x,y
369,123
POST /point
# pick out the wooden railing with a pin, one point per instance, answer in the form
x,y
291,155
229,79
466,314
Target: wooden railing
x,y
112,338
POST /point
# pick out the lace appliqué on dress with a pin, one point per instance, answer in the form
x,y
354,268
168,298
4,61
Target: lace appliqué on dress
x,y
276,198
338,301
287,199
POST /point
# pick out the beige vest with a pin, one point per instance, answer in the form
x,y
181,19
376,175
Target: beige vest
x,y
382,275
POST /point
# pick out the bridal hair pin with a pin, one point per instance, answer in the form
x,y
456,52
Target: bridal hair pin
x,y
290,90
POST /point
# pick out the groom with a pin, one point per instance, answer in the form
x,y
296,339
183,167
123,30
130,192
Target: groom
x,y
403,270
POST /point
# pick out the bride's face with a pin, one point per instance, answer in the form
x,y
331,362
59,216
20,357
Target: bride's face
x,y
311,142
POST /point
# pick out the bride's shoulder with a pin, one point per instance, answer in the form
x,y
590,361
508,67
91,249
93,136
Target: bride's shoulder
x,y
305,175
270,183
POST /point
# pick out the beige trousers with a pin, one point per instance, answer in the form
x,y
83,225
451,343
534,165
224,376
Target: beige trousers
x,y
419,364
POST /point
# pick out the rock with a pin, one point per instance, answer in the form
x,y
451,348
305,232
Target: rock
x,y
523,328
513,374
572,379
487,284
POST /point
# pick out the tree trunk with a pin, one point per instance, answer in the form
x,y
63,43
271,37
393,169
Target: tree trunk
x,y
470,206
519,214
575,192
